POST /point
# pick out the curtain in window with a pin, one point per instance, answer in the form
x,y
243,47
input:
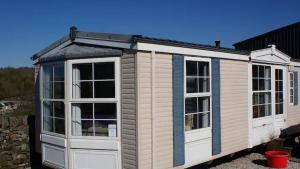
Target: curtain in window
x,y
205,116
48,121
76,83
76,120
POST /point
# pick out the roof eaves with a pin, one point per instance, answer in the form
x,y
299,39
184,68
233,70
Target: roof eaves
x,y
50,47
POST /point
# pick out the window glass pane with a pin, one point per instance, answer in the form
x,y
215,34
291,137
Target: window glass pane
x,y
83,90
48,81
191,68
104,89
86,128
104,70
191,105
59,126
203,69
82,110
291,92
102,128
82,71
280,85
203,120
261,71
59,90
255,84
280,74
269,109
255,98
48,116
255,111
59,73
203,104
190,122
255,71
268,84
191,85
267,72
279,108
204,85
261,84
59,109
105,111
262,111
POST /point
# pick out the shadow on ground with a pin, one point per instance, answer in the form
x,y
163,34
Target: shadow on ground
x,y
230,158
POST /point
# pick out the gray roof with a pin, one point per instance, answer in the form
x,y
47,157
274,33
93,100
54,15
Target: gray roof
x,y
133,39
79,51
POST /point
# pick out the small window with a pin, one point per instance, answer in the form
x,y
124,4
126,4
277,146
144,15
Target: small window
x,y
197,101
292,93
53,98
261,87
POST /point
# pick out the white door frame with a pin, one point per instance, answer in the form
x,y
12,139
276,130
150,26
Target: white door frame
x,y
282,117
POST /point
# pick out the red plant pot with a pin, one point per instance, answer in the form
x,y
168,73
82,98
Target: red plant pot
x,y
277,159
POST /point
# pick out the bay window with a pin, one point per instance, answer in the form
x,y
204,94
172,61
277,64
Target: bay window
x,y
197,94
52,99
94,101
261,91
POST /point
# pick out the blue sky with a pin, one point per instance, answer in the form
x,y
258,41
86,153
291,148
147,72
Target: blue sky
x,y
28,26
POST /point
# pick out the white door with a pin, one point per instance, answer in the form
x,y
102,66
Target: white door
x,y
262,103
280,112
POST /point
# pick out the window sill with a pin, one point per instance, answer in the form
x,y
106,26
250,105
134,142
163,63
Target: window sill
x,y
54,140
98,144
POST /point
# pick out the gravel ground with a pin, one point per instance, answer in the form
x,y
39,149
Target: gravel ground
x,y
252,161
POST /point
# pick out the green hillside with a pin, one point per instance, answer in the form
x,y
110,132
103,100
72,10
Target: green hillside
x,y
17,83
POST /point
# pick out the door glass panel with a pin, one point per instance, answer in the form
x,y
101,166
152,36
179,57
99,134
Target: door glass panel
x,y
279,91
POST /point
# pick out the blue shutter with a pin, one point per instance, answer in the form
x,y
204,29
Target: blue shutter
x,y
216,114
296,92
178,110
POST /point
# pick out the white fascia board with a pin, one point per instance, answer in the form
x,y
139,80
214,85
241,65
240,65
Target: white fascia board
x,y
189,51
116,44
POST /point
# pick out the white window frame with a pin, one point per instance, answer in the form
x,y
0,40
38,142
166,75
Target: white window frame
x,y
42,99
116,100
206,132
272,90
291,82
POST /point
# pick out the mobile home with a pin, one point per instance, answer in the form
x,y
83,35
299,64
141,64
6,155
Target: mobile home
x,y
116,101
